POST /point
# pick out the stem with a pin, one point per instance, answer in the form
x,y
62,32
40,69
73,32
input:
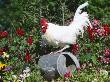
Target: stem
x,y
63,12
40,10
63,15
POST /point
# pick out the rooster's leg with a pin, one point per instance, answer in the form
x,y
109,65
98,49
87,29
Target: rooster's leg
x,y
65,47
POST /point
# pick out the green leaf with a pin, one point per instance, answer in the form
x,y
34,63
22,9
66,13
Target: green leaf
x,y
88,57
94,59
14,58
13,48
88,45
22,47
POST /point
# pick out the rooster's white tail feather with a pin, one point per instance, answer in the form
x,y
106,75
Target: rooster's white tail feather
x,y
78,11
80,20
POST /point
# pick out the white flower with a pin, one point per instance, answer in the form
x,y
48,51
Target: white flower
x,y
28,74
104,72
5,55
26,70
22,76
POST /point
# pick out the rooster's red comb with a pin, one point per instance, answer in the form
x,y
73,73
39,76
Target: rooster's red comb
x,y
43,21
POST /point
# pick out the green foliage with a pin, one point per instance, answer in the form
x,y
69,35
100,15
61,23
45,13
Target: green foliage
x,y
27,13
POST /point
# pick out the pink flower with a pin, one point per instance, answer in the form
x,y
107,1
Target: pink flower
x,y
106,60
107,52
100,32
105,31
95,22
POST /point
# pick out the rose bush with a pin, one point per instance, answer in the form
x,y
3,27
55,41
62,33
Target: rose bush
x,y
93,48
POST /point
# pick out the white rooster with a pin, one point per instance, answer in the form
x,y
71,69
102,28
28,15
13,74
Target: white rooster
x,y
64,36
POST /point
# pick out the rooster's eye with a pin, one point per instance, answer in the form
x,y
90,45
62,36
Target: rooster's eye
x,y
42,26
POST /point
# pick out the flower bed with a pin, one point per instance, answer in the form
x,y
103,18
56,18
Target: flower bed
x,y
19,52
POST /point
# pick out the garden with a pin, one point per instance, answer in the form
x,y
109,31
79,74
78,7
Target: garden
x,y
21,43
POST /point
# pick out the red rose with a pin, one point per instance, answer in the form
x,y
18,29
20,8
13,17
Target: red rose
x,y
91,33
105,25
20,32
27,57
30,40
3,34
68,75
75,48
106,29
